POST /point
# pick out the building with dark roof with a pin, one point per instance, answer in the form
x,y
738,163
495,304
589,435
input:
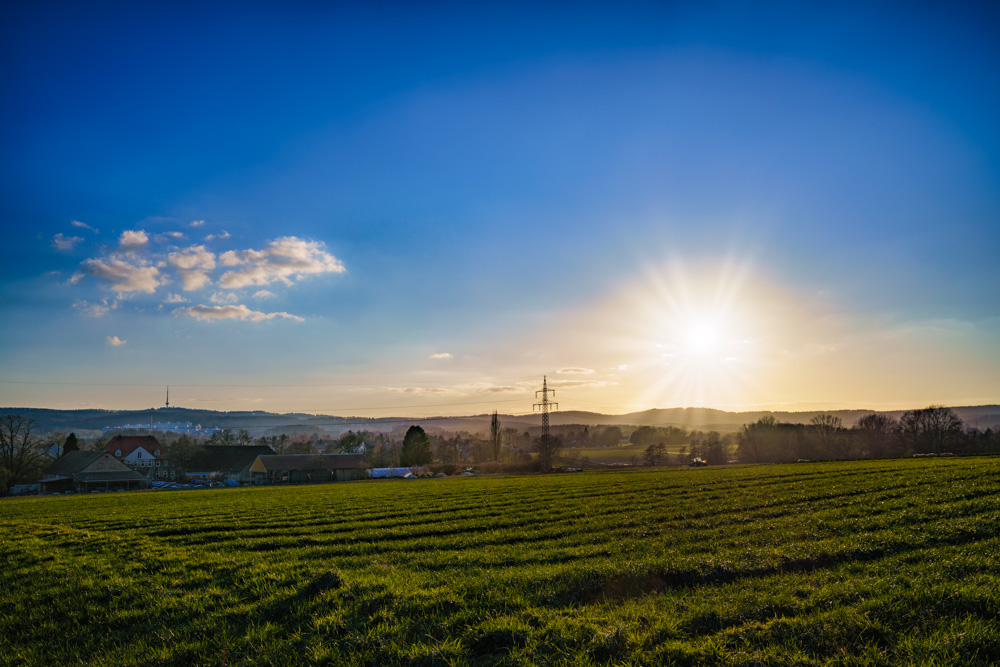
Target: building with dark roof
x,y
89,471
225,462
309,468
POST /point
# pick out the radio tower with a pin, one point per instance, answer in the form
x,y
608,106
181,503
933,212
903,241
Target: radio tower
x,y
168,397
545,451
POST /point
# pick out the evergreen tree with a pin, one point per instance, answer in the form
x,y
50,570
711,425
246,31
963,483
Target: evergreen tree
x,y
495,436
416,448
71,445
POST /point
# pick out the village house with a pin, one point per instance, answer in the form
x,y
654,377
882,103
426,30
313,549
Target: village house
x,y
89,471
144,454
309,468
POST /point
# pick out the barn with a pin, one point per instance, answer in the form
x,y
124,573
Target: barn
x,y
308,468
89,471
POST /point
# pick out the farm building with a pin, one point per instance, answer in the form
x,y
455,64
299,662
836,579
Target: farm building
x,y
225,462
89,471
306,468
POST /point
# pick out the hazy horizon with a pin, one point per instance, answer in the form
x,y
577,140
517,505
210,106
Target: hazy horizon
x,y
351,211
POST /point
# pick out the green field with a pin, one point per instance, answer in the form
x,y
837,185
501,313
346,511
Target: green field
x,y
877,562
626,454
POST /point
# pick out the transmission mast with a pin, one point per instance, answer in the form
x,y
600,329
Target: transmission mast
x,y
544,406
168,397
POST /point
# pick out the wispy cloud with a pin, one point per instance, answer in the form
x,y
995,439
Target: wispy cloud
x,y
115,341
234,312
223,236
123,276
421,391
197,223
62,242
579,383
166,237
96,309
175,298
575,371
284,259
223,298
503,390
442,355
260,295
132,239
82,225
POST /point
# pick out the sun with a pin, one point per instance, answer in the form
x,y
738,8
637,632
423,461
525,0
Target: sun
x,y
702,339
694,333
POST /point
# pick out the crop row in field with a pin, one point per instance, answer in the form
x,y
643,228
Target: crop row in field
x,y
881,562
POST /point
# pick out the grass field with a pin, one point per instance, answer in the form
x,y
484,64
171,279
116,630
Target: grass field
x,y
866,563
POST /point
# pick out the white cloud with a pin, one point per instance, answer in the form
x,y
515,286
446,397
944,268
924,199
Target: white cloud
x,y
223,298
441,355
115,341
195,257
575,371
223,236
197,223
503,390
96,309
283,259
193,280
62,242
238,312
192,266
82,225
132,239
263,294
175,298
123,276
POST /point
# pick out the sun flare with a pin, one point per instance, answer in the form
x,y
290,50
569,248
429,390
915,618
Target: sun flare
x,y
702,339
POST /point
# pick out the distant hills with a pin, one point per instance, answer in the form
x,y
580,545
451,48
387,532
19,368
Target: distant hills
x,y
271,423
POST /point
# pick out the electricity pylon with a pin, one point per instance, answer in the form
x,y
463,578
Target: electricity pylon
x,y
545,451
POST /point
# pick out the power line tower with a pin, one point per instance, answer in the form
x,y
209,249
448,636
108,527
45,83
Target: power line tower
x,y
546,449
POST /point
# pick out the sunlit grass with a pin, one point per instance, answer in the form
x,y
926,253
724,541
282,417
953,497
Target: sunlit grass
x,y
887,562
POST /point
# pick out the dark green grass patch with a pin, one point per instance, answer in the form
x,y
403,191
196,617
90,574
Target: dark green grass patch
x,y
867,563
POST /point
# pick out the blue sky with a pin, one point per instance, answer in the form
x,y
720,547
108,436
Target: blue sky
x,y
399,210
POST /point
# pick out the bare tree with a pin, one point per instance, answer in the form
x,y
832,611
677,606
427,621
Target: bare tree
x,y
826,430
879,434
20,452
933,429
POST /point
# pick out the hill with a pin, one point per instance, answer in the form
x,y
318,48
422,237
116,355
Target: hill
x,y
270,423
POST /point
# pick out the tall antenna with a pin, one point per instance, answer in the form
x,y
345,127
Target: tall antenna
x,y
545,451
168,397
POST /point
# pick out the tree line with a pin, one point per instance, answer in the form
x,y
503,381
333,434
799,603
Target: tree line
x,y
934,430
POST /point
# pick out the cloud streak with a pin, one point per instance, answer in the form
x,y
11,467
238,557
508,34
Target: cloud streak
x,y
115,341
233,312
82,225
